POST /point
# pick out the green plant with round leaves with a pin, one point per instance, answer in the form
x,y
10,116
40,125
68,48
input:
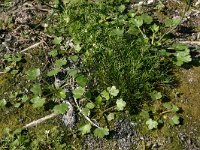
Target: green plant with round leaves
x,y
161,113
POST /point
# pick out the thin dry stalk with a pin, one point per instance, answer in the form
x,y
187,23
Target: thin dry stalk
x,y
36,122
190,42
32,46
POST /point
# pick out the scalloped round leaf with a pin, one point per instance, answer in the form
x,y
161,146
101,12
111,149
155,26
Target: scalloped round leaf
x,y
74,58
36,89
147,19
121,8
152,124
53,72
167,105
145,114
138,21
175,108
38,101
175,120
72,72
32,74
113,91
61,93
111,116
61,108
101,132
85,129
53,53
81,80
155,95
57,40
105,95
77,48
61,62
85,111
98,100
78,92
90,105
120,104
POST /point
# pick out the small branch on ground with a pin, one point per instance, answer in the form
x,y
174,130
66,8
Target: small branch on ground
x,y
36,122
32,46
190,42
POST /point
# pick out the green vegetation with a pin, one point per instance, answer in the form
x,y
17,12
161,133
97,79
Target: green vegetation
x,y
115,59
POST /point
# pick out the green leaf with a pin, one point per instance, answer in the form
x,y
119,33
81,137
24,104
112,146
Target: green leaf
x,y
118,32
78,92
3,103
131,14
77,48
24,98
101,132
85,129
111,116
74,58
172,22
105,95
145,114
90,105
36,89
152,124
147,19
167,105
14,72
154,28
163,52
72,72
53,72
17,105
61,108
113,91
175,108
121,8
180,46
61,93
138,21
133,30
182,57
53,53
57,40
85,111
13,58
81,80
32,74
38,101
98,100
175,120
120,104
155,95
61,62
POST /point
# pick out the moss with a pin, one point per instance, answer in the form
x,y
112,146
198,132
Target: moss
x,y
16,118
186,96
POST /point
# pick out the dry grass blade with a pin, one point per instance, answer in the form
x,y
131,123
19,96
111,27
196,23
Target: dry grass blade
x,y
32,46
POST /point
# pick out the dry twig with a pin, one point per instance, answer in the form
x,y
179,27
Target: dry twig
x,y
190,42
36,122
32,46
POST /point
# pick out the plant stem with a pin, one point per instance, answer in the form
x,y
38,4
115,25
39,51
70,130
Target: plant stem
x,y
153,37
87,118
144,36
